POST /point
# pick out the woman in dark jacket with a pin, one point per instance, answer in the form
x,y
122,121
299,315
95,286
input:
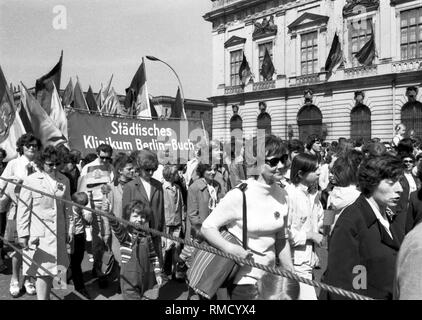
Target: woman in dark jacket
x,y
364,244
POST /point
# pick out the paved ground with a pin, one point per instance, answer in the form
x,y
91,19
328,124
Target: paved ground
x,y
171,290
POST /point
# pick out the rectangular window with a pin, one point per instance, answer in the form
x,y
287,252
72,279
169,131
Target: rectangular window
x,y
359,35
235,62
309,53
261,51
411,34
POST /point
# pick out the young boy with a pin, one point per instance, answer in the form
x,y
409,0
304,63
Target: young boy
x,y
81,218
138,256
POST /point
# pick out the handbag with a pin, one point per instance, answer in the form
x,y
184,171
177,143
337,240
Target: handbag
x,y
107,263
209,271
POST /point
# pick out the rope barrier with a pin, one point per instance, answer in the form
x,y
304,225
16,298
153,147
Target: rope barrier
x,y
273,270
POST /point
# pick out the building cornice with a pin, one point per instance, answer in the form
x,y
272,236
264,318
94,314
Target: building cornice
x,y
382,80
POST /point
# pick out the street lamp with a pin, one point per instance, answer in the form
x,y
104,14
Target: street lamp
x,y
152,58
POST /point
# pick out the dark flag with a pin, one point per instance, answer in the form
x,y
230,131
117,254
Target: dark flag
x,y
335,57
67,97
267,69
79,98
178,111
366,55
244,71
90,100
44,87
137,98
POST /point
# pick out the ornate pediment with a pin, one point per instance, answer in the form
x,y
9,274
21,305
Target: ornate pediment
x,y
265,28
308,19
355,7
234,41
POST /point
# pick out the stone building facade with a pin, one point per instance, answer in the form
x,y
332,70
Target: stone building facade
x,y
301,97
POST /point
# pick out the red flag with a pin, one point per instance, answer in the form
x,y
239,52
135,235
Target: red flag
x,y
67,97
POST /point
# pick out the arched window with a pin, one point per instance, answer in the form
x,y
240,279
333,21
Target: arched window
x,y
264,122
360,122
309,120
236,122
411,117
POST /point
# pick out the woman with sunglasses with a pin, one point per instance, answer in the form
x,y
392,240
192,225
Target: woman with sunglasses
x,y
305,220
267,209
44,224
18,169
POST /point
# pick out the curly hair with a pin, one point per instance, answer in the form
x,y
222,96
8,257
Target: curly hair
x,y
25,139
375,169
138,205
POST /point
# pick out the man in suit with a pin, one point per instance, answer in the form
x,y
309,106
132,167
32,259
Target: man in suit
x,y
409,185
364,244
148,190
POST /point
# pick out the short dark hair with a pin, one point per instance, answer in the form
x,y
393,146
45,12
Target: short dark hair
x,y
146,159
89,158
105,148
412,88
345,171
80,198
136,205
119,163
311,140
405,146
25,139
49,153
274,146
374,149
304,163
375,169
201,168
70,158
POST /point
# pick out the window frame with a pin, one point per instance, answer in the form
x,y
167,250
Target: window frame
x,y
418,33
315,61
264,42
236,81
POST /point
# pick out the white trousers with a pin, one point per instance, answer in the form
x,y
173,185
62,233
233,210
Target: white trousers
x,y
307,292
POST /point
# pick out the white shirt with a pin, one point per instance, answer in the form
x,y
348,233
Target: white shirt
x,y
267,208
383,220
147,187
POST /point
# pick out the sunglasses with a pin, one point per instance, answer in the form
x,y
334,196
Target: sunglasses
x,y
274,161
33,145
407,161
52,164
105,158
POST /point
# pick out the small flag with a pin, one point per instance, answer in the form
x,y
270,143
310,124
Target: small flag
x,y
112,104
58,115
79,98
67,97
11,127
137,98
178,111
244,71
335,57
44,87
267,68
90,100
367,54
42,125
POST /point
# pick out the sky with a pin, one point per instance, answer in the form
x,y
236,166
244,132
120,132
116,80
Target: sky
x,y
104,37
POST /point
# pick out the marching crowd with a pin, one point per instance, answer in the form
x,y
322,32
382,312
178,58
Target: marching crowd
x,y
360,200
